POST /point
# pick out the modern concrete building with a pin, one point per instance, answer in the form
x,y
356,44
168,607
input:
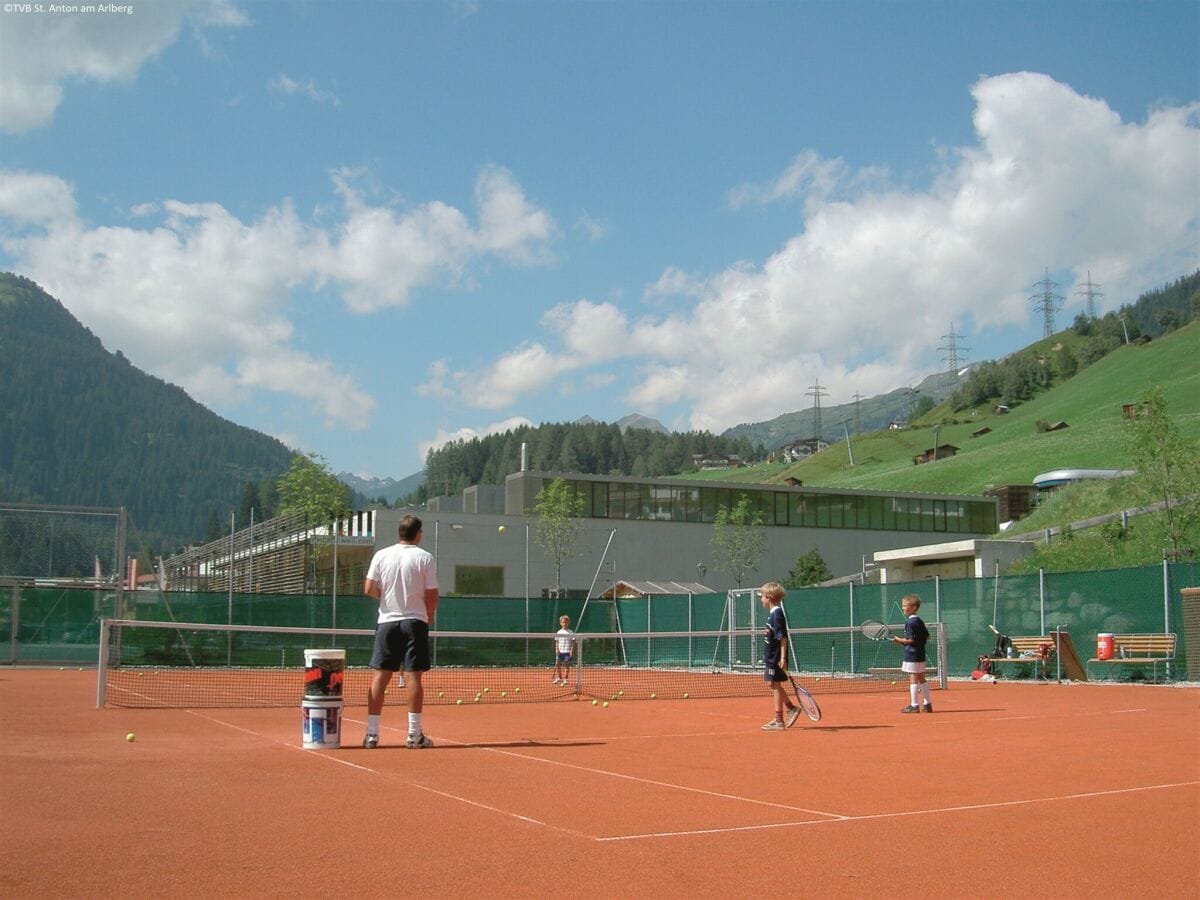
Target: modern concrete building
x,y
954,559
661,529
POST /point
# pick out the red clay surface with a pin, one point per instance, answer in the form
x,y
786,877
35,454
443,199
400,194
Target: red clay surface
x,y
1058,790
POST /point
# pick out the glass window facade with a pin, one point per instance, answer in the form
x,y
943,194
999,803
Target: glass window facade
x,y
659,502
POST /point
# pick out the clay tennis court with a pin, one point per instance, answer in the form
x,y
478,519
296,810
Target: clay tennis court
x,y
1066,790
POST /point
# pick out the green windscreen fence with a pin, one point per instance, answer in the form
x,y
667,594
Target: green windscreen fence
x,y
61,625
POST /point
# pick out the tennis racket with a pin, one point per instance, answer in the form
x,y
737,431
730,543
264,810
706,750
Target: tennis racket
x,y
875,631
806,701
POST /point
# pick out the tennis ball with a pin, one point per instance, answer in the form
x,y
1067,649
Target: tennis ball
x,y
606,704
131,737
441,693
504,693
893,682
459,701
597,703
685,696
485,690
501,529
652,696
620,693
516,690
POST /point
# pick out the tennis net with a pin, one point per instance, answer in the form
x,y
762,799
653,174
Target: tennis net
x,y
192,665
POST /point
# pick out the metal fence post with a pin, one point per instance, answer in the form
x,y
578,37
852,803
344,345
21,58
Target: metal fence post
x,y
1042,599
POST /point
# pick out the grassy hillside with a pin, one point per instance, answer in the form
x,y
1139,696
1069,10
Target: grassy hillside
x,y
1013,452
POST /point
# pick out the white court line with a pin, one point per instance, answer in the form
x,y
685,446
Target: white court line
x,y
829,817
897,815
421,787
650,781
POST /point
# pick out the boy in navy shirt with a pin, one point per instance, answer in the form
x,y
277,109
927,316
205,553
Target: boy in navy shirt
x,y
916,636
775,656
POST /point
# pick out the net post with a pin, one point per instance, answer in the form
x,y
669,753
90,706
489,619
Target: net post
x,y
102,663
943,658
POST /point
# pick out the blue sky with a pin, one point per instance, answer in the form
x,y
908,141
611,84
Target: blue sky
x,y
368,228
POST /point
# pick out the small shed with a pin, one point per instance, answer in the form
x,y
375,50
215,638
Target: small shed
x,y
980,432
1057,426
935,453
634,590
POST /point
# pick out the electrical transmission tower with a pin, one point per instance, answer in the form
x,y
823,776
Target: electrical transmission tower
x,y
1089,291
858,412
817,392
912,399
1047,303
953,354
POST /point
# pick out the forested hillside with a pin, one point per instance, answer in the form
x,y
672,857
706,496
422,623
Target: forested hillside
x,y
82,426
594,448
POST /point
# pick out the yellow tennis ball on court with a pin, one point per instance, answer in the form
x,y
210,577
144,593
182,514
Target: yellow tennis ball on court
x,y
501,529
606,704
504,694
131,737
459,701
893,682
516,690
685,696
620,693
595,703
652,696
485,690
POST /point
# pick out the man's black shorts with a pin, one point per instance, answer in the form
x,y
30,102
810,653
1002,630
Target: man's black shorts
x,y
401,645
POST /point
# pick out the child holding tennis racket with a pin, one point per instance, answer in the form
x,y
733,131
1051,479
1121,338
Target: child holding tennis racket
x,y
775,656
916,636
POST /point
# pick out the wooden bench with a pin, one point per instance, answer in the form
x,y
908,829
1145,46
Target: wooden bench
x,y
1140,649
1036,648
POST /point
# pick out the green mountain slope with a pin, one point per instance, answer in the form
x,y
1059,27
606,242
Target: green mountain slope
x,y
1014,451
81,426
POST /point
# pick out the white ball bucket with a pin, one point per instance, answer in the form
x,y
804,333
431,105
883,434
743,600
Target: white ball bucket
x,y
321,727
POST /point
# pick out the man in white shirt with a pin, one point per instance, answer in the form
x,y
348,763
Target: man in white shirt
x,y
403,578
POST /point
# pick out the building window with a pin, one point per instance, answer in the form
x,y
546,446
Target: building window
x,y
479,581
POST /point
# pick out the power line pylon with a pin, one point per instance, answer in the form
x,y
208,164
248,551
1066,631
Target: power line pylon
x,y
817,392
953,354
1047,303
1089,291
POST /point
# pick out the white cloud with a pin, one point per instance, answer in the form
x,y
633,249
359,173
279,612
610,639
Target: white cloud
x,y
859,298
441,438
39,53
289,87
672,282
201,298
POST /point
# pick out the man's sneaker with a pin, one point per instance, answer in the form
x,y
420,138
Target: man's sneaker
x,y
928,707
792,715
774,725
400,681
371,741
419,742
911,709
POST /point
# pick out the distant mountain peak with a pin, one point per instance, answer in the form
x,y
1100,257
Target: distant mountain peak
x,y
633,420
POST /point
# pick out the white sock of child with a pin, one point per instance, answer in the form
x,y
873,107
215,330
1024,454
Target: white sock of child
x,y
414,724
372,724
913,693
925,692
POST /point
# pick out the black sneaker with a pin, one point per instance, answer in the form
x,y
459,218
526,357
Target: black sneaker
x,y
371,741
911,709
928,707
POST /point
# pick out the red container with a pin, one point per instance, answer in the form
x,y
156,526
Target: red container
x,y
1104,646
